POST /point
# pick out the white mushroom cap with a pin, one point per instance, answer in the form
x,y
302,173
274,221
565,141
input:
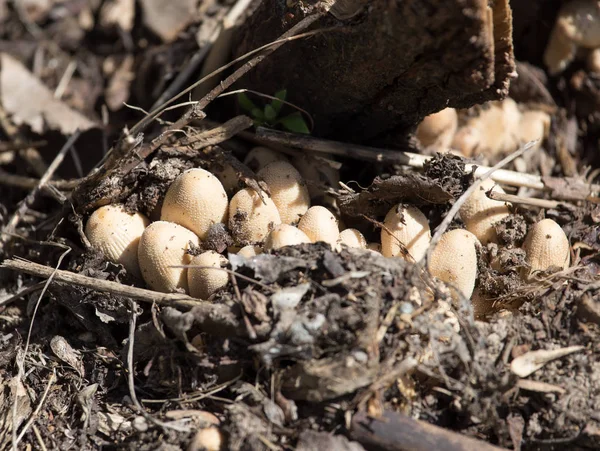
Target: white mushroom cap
x,y
288,190
165,244
285,235
534,125
319,171
250,251
546,245
467,140
319,224
438,128
117,234
480,213
259,157
251,220
206,439
593,61
195,200
454,260
353,238
204,282
407,226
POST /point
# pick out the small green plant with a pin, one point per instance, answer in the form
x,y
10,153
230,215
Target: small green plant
x,y
269,116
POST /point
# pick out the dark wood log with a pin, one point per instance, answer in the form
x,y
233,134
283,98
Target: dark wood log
x,y
397,432
386,67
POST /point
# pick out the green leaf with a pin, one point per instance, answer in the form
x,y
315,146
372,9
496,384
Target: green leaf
x,y
294,123
245,103
257,114
278,104
270,113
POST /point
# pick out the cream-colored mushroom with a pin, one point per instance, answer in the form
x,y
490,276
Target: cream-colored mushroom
x,y
195,200
534,125
203,280
374,247
259,157
546,245
251,217
116,233
285,235
405,227
577,25
438,129
162,246
593,61
480,213
353,238
250,251
288,190
208,437
319,173
319,224
454,260
228,178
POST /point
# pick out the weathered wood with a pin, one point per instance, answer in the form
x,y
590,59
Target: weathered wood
x,y
386,67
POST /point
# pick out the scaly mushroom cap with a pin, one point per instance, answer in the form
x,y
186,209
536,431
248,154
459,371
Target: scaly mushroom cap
x,y
353,238
454,260
438,128
251,220
407,226
259,157
195,200
165,244
204,282
288,190
546,245
319,224
285,235
117,234
480,213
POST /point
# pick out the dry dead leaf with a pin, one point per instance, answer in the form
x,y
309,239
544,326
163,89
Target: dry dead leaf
x,y
531,361
168,19
118,13
117,91
540,387
28,101
63,350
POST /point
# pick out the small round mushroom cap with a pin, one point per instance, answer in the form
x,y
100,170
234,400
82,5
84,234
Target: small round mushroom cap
x,y
285,235
259,157
408,227
251,219
228,178
250,251
467,140
165,244
576,26
288,190
454,260
353,238
318,171
480,213
117,234
195,200
534,125
319,224
206,439
546,245
593,61
438,128
204,281
374,247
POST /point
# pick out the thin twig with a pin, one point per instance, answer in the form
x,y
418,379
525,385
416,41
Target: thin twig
x,y
462,199
181,301
534,202
24,292
11,147
37,409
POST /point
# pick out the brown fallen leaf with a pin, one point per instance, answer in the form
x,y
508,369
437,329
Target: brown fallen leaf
x,y
28,101
118,89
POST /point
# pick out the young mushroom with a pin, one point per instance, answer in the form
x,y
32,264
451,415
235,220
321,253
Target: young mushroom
x,y
285,235
454,261
353,238
319,174
288,190
480,213
259,157
162,246
116,233
576,27
203,281
319,224
534,125
249,251
251,217
438,129
546,245
195,200
405,228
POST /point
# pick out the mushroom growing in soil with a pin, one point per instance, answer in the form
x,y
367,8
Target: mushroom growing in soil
x,y
319,224
203,281
546,245
405,227
285,235
577,26
353,238
438,129
116,233
162,246
251,217
195,200
259,157
288,190
454,260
